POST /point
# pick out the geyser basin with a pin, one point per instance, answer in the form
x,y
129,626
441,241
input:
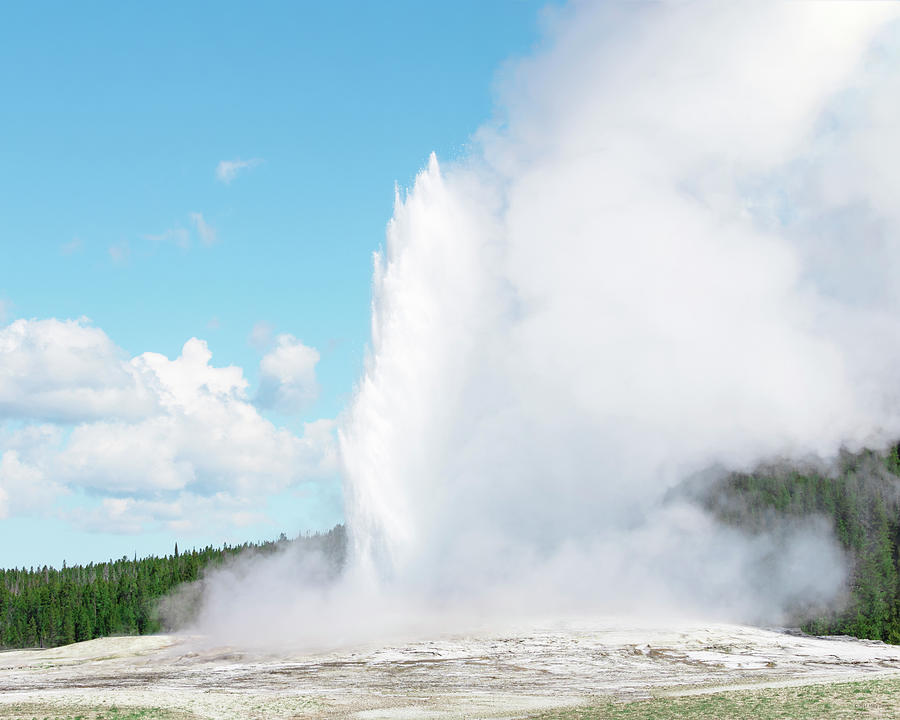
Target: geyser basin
x,y
508,673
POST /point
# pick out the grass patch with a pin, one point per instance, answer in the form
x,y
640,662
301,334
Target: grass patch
x,y
878,698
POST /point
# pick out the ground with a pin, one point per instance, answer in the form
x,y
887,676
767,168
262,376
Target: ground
x,y
571,670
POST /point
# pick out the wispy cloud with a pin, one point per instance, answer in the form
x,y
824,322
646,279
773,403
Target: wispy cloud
x,y
177,235
120,252
73,246
206,231
261,335
228,170
181,236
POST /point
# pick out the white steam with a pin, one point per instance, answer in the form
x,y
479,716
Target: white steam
x,y
674,249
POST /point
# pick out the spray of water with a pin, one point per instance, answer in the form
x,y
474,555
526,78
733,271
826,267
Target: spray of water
x,y
672,249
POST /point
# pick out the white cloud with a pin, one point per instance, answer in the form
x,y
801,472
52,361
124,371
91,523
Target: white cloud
x,y
228,170
185,513
207,437
67,371
148,428
206,232
288,375
24,488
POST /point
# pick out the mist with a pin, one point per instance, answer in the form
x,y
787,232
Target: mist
x,y
672,249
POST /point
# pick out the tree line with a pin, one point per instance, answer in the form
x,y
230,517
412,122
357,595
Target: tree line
x,y
860,499
46,607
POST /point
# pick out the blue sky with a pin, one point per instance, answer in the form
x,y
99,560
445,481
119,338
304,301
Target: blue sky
x,y
113,122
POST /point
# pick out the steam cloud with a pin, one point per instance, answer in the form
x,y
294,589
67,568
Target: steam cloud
x,y
673,249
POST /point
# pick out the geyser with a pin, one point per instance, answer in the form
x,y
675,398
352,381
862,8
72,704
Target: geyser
x,y
672,249
633,277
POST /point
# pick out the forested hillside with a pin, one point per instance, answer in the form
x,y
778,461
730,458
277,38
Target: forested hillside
x,y
47,607
861,502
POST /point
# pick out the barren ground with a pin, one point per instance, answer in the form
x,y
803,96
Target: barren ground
x,y
553,670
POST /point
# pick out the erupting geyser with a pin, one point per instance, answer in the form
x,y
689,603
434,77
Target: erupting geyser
x,y
673,249
650,264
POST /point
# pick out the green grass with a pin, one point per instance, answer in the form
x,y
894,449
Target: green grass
x,y
879,698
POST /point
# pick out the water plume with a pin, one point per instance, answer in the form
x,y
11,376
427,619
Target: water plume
x,y
672,249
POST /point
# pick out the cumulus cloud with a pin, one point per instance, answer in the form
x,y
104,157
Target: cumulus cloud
x,y
24,487
68,371
207,437
288,375
228,170
188,512
152,434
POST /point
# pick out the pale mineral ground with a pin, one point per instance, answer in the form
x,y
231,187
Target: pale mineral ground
x,y
501,674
